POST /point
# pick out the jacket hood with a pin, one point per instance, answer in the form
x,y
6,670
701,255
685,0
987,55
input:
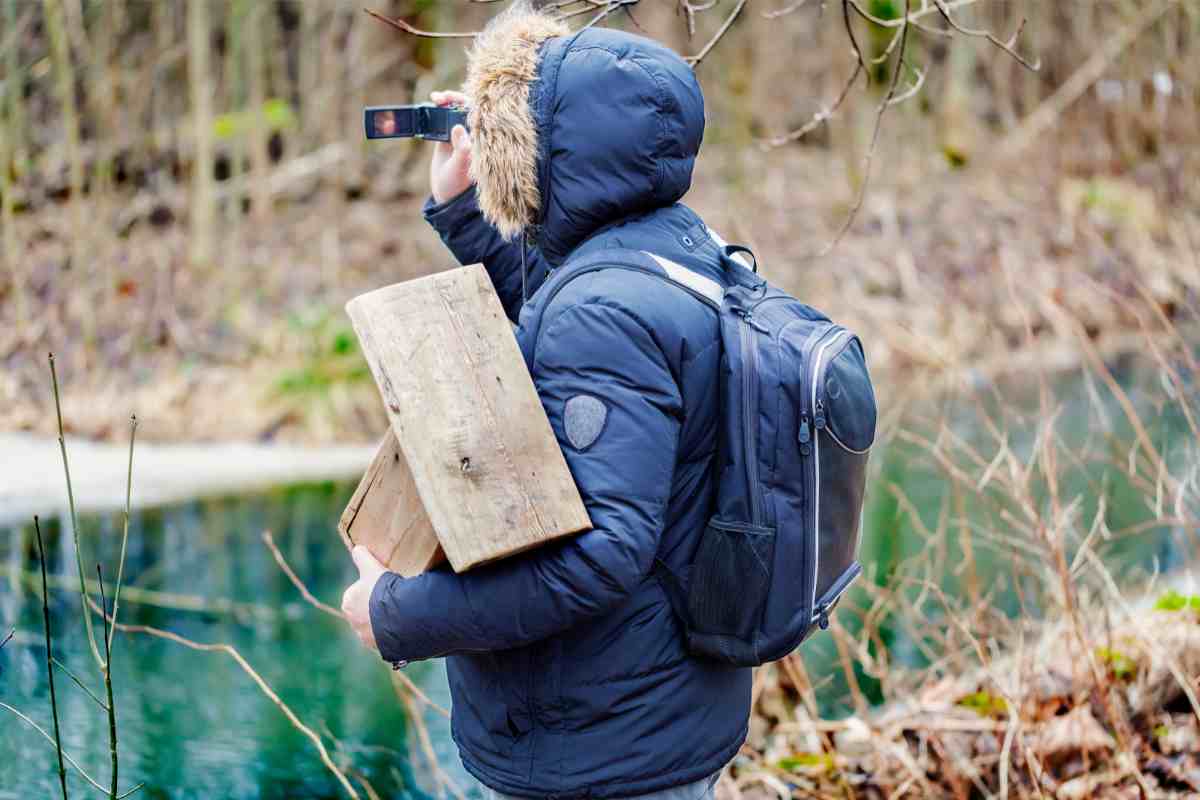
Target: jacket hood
x,y
574,132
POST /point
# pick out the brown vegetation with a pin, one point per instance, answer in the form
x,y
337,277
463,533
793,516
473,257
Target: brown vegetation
x,y
148,299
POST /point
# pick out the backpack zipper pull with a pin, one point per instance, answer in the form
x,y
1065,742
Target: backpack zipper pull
x,y
748,318
820,420
805,435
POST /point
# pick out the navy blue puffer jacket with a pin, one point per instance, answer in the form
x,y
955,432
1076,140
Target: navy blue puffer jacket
x,y
567,668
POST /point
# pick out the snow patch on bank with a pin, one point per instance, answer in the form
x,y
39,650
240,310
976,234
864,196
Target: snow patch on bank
x,y
32,482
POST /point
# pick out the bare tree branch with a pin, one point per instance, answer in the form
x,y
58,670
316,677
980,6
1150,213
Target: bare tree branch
x,y
1007,47
269,541
233,653
783,11
401,25
821,116
696,59
883,107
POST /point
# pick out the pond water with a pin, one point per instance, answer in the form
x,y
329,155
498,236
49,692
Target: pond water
x,y
194,725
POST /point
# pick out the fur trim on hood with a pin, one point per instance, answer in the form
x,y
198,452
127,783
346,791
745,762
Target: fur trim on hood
x,y
502,66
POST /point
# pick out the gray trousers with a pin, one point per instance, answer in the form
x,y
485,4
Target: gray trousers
x,y
702,789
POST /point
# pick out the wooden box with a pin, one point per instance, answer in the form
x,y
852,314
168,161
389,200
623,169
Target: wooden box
x,y
386,515
473,460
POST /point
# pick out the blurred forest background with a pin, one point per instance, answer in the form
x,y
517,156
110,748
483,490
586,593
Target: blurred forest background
x,y
188,199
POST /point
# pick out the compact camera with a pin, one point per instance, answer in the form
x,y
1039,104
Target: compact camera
x,y
424,121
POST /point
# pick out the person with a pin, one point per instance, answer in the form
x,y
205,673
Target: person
x,y
568,670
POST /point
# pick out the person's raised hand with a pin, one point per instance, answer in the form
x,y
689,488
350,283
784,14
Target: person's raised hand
x,y
356,602
449,171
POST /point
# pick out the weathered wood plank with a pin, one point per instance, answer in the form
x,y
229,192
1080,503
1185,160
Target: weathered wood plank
x,y
386,515
472,430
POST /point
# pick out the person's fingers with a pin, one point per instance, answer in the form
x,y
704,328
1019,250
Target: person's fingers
x,y
448,98
460,139
363,559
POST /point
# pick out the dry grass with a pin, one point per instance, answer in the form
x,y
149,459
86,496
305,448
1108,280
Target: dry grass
x,y
1089,689
1098,204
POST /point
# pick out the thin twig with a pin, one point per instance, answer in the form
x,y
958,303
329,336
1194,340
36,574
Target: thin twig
x,y
821,116
62,446
266,689
883,107
125,530
8,638
401,25
783,11
269,541
62,769
112,708
66,756
79,682
1007,47
414,714
696,59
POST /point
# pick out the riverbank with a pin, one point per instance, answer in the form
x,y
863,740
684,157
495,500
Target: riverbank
x,y
31,474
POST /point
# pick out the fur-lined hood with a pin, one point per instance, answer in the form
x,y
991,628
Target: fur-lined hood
x,y
573,133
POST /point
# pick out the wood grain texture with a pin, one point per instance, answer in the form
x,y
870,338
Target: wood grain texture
x,y
472,430
386,515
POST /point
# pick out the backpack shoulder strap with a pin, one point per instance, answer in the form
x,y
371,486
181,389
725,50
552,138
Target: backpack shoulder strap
x,y
689,279
703,289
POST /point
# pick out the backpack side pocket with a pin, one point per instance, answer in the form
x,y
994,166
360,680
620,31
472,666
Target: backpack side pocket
x,y
728,586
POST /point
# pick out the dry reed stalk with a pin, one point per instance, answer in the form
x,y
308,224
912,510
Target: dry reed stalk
x,y
62,770
67,756
62,446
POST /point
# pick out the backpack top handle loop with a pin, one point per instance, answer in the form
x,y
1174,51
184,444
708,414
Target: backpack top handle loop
x,y
730,250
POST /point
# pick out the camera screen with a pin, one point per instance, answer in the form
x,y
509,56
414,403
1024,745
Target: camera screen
x,y
385,123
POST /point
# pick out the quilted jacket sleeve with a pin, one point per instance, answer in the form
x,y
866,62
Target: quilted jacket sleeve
x,y
624,477
473,240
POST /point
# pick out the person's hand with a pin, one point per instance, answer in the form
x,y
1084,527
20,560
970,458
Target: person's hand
x,y
449,171
356,602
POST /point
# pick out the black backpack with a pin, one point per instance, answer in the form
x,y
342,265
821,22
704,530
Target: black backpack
x,y
797,424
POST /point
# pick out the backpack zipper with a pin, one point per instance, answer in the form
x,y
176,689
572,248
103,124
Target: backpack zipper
x,y
818,409
821,612
749,411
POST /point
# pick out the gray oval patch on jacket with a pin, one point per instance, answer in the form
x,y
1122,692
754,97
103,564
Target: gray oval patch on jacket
x,y
583,420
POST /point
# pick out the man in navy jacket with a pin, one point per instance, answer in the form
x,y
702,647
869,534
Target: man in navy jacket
x,y
567,668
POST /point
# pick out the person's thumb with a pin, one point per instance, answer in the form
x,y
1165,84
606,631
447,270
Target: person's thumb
x,y
367,564
461,140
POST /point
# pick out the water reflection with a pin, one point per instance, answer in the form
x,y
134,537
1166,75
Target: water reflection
x,y
193,724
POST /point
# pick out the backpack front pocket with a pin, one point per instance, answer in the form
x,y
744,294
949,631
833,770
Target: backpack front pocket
x,y
730,577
